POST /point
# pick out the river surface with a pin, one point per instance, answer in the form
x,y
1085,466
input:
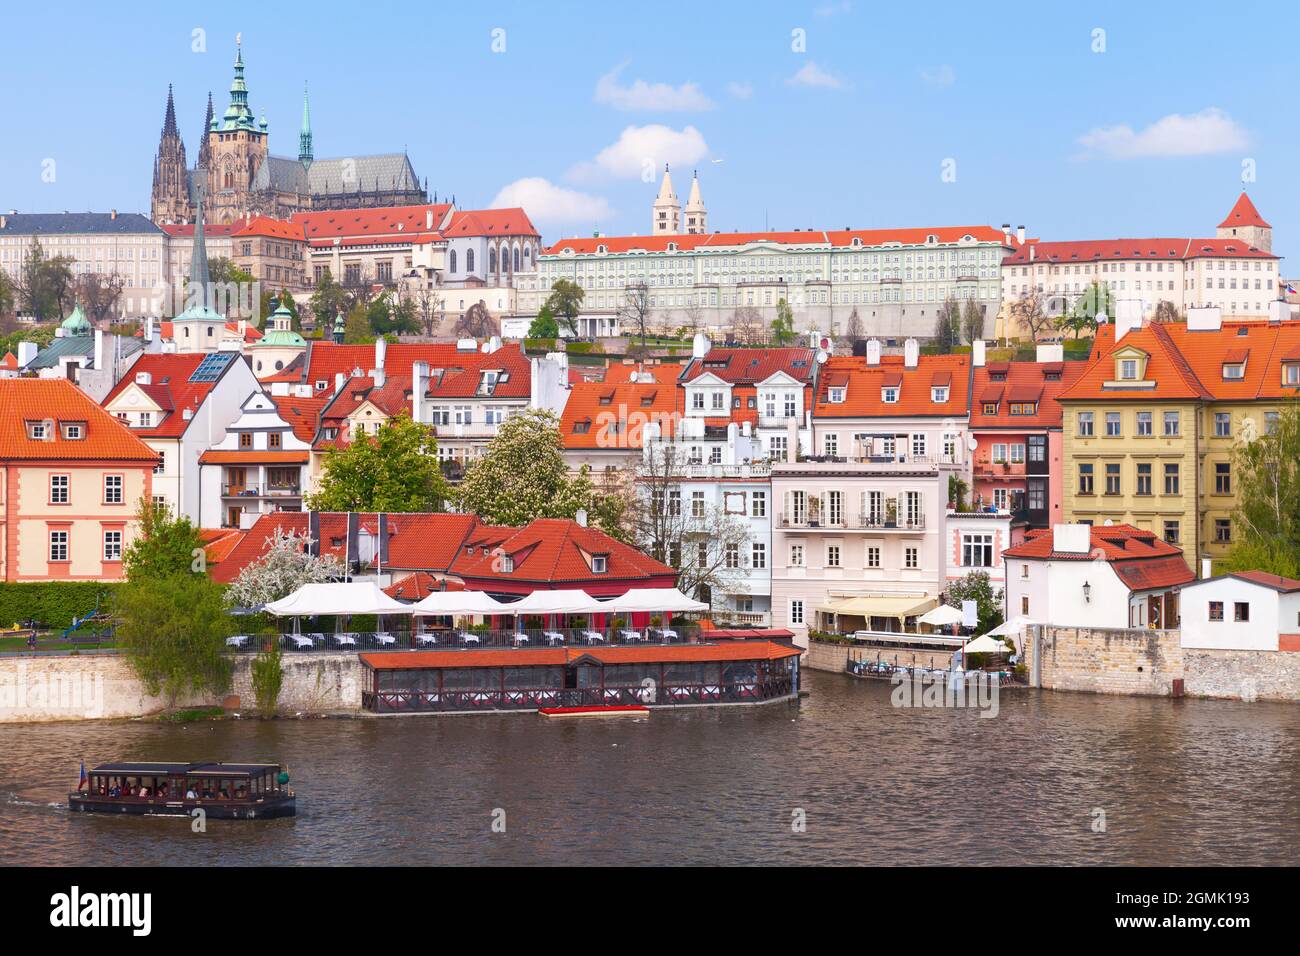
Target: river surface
x,y
1179,782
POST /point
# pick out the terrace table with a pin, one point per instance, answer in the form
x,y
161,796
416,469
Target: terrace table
x,y
317,637
668,633
345,640
469,638
632,636
426,639
520,639
302,641
553,637
594,637
383,638
238,640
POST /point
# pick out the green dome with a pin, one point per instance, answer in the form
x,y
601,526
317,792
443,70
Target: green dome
x,y
76,323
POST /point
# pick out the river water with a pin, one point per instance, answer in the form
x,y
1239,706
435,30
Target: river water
x,y
1179,782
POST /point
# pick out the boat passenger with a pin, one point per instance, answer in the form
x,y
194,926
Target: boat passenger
x,y
190,794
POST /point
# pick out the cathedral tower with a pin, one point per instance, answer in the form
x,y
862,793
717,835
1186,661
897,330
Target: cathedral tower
x,y
304,135
697,217
171,179
667,210
237,145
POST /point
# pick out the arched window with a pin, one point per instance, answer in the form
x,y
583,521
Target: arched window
x,y
492,260
452,260
469,260
516,258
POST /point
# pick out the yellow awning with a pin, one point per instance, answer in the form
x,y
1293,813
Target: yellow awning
x,y
880,606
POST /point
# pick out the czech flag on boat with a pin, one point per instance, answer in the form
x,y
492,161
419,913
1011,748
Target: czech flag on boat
x,y
81,784
1290,288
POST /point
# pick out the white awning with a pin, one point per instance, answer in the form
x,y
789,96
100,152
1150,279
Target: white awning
x,y
557,602
668,600
451,603
880,606
986,645
1013,626
941,616
337,598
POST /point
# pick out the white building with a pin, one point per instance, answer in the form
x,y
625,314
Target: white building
x,y
1243,611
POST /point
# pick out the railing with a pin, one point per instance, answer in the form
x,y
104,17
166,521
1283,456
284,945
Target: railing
x,y
914,523
758,469
743,618
435,639
247,490
531,698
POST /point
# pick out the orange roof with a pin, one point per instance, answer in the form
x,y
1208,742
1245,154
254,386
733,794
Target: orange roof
x,y
219,542
862,395
1243,213
1275,581
170,388
10,361
165,330
1142,560
554,550
807,237
751,366
384,224
665,372
272,228
557,656
1165,366
57,400
216,456
459,376
1099,250
303,414
490,222
1015,381
419,585
612,415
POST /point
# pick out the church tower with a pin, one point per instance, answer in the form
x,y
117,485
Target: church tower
x,y
667,210
304,135
237,146
697,217
205,151
1245,223
171,178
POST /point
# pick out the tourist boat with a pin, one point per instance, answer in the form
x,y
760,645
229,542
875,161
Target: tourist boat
x,y
223,791
629,710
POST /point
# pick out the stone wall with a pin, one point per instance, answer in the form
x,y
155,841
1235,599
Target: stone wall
x,y
1242,675
1105,660
835,657
97,686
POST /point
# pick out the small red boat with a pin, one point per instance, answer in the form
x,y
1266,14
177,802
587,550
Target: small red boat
x,y
628,710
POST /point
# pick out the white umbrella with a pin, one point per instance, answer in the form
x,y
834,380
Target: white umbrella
x,y
986,645
1013,626
451,603
339,598
556,602
941,616
667,600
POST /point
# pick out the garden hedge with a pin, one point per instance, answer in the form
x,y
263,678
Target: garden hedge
x,y
52,603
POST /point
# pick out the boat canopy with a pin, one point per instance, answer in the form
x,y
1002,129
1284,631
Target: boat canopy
x,y
337,598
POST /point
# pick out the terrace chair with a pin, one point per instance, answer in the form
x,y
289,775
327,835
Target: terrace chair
x,y
426,638
520,640
384,639
467,638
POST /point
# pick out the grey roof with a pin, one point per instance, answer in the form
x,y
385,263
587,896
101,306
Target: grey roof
x,y
281,174
383,171
71,223
80,345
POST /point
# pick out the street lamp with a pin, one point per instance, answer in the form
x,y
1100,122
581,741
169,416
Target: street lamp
x,y
1087,592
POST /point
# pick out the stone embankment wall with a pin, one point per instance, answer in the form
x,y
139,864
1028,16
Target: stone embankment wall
x,y
97,686
1104,660
835,657
1242,675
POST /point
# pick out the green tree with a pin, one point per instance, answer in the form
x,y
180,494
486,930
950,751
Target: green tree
x,y
45,284
164,545
266,674
1082,315
1267,518
40,335
222,271
388,316
356,328
783,324
972,321
173,629
947,327
977,587
394,470
544,326
8,296
523,475
565,303
957,491
285,566
327,301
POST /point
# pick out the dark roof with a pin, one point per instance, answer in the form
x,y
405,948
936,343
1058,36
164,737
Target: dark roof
x,y
143,767
183,766
232,769
1273,581
71,223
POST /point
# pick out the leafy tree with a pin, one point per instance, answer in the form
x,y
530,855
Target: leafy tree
x,y
613,508
977,587
222,271
394,470
327,301
947,327
1082,315
45,285
957,491
1029,314
476,323
40,335
544,326
783,324
523,475
285,566
565,303
386,315
356,328
266,674
165,544
972,322
1166,311
7,294
1267,518
173,629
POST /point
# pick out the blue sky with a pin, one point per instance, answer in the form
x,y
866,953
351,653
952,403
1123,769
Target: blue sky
x,y
1147,137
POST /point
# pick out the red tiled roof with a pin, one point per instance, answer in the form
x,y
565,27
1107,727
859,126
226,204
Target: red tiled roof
x,y
1243,213
665,373
751,366
1099,250
56,400
273,228
170,387
1263,578
218,543
613,415
1024,382
1165,366
460,370
557,656
862,396
218,456
511,221
552,551
10,361
388,224
302,414
419,585
1141,559
809,237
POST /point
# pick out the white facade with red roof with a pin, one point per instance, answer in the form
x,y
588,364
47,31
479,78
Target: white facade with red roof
x,y
1242,611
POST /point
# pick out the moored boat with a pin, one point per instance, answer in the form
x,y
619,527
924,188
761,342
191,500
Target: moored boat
x,y
222,791
630,710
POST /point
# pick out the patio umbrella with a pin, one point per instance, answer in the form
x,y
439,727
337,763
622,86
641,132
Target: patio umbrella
x,y
941,616
1013,626
986,645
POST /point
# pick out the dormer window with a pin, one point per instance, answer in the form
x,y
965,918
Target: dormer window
x,y
1234,371
1291,373
1127,370
582,427
990,408
507,564
37,431
835,396
1023,408
599,563
939,394
74,431
321,385
889,395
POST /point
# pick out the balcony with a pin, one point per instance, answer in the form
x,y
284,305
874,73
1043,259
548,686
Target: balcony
x,y
254,490
729,618
867,522
869,463
778,421
701,470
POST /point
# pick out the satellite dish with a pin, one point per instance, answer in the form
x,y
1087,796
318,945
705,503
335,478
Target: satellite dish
x,y
972,442
1101,318
822,356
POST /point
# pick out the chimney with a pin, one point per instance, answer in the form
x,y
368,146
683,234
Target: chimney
x,y
792,442
977,353
911,353
99,349
1050,353
1128,316
873,351
1204,319
243,329
143,378
581,517
26,352
1006,233
419,383
1032,250
1020,235
700,345
313,533
1279,310
1205,568
148,329
338,382
4,221
1071,538
428,219
381,349
112,214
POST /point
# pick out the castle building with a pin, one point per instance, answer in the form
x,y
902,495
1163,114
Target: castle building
x,y
241,178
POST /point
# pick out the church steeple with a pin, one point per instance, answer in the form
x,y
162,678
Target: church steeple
x,y
170,201
199,276
304,136
667,210
205,152
697,217
238,114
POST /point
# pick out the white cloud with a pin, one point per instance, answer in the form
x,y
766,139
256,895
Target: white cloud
x,y
941,76
547,202
641,95
741,91
812,75
831,9
642,148
1195,134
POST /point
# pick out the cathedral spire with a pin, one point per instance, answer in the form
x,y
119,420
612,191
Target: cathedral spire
x,y
696,215
169,201
238,114
667,210
199,277
205,154
169,120
304,136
